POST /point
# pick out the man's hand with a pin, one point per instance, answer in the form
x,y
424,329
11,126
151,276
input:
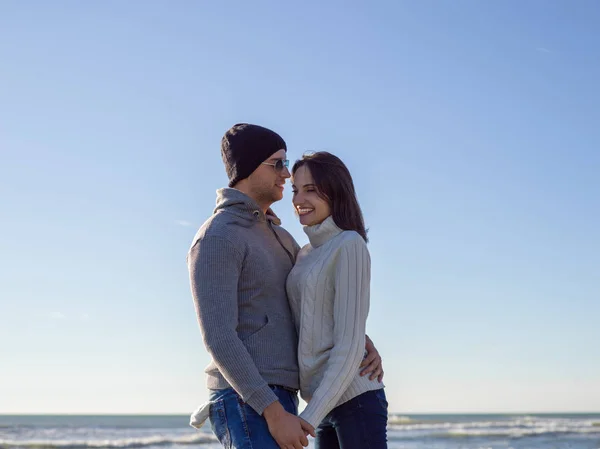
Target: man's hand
x,y
285,428
372,362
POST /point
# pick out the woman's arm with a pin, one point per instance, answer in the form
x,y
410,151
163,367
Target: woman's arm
x,y
350,310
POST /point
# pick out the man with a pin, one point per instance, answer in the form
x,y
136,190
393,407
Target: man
x,y
238,264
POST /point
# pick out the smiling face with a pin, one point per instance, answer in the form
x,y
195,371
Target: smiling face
x,y
310,207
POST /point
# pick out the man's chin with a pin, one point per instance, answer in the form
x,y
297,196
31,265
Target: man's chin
x,y
277,196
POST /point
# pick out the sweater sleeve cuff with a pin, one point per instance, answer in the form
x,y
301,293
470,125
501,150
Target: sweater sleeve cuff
x,y
310,416
261,399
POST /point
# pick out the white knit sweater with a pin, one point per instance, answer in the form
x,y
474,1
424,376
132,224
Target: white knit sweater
x,y
328,290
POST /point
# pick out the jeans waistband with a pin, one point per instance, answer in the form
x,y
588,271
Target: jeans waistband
x,y
291,390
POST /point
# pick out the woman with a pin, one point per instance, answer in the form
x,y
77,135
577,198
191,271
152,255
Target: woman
x,y
328,290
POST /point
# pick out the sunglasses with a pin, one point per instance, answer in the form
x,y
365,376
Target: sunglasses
x,y
279,164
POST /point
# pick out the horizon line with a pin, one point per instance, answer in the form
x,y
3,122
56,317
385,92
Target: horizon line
x,y
390,413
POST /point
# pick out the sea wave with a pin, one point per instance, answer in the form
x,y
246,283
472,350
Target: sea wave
x,y
113,444
400,420
518,433
511,428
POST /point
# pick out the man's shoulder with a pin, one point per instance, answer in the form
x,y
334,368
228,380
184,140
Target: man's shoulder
x,y
285,234
281,230
218,226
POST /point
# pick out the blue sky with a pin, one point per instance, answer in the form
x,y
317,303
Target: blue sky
x,y
471,129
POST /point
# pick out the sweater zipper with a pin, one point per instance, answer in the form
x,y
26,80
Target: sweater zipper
x,y
281,243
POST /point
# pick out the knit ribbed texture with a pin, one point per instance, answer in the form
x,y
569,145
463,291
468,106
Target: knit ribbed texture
x,y
328,291
238,270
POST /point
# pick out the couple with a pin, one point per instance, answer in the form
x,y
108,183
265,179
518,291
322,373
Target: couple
x,y
275,318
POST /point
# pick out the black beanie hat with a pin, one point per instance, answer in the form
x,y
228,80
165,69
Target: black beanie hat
x,y
244,147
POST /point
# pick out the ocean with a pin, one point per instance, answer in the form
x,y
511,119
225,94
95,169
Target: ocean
x,y
539,431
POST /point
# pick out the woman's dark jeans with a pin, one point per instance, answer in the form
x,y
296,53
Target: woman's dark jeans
x,y
360,423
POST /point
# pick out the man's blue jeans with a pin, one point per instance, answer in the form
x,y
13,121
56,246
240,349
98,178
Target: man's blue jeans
x,y
238,426
360,423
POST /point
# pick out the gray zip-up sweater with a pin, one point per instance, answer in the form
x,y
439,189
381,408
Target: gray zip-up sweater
x,y
238,264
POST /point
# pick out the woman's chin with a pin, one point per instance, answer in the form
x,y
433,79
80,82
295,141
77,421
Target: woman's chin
x,y
311,220
306,221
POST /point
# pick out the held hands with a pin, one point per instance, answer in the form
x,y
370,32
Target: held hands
x,y
372,362
288,430
308,429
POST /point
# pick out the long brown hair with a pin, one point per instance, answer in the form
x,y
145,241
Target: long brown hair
x,y
334,184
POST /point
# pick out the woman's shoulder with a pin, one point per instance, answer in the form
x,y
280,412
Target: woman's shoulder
x,y
349,239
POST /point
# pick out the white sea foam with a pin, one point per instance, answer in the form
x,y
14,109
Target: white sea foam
x,y
154,440
510,427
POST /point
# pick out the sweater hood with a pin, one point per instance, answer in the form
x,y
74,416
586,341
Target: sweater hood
x,y
242,206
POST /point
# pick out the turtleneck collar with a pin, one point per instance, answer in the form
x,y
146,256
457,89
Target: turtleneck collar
x,y
321,233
